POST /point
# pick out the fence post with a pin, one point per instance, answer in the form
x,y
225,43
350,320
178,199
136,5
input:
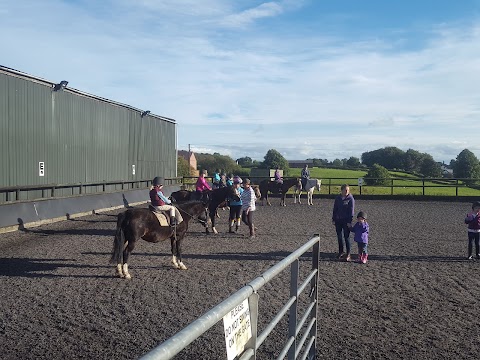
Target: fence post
x,y
292,314
253,306
423,186
391,187
456,188
314,296
329,185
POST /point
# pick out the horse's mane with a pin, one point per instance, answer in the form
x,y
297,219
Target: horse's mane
x,y
189,203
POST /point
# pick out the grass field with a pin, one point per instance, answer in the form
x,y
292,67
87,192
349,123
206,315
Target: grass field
x,y
403,184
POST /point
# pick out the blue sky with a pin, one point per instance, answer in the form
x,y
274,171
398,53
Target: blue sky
x,y
313,78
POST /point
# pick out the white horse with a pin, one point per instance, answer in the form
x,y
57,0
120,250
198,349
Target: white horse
x,y
311,185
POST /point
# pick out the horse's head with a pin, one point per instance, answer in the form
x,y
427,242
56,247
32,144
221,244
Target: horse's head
x,y
233,193
221,194
256,189
318,184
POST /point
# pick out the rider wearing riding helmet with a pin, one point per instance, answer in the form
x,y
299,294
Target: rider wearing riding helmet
x,y
216,179
305,176
235,205
230,180
202,184
278,179
162,203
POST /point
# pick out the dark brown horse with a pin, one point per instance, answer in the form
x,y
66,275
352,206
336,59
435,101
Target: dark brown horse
x,y
141,223
182,196
187,195
218,196
273,187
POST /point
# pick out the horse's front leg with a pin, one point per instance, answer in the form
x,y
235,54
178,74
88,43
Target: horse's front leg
x,y
310,198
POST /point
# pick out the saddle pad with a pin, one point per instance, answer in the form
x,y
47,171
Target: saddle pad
x,y
162,219
310,184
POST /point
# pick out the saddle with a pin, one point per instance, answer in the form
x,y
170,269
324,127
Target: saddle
x,y
162,216
277,187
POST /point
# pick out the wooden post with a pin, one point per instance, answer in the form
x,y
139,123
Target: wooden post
x,y
391,188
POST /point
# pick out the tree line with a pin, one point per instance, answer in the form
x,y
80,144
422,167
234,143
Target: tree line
x,y
466,165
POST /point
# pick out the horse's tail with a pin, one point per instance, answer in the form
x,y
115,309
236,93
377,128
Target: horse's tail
x,y
263,188
118,242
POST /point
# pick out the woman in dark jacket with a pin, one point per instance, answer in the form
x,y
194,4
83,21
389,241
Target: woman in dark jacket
x,y
343,212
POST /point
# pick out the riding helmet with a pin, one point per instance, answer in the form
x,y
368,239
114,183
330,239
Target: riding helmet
x,y
362,214
158,181
237,180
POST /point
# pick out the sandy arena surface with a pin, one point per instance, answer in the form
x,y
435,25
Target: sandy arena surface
x,y
417,297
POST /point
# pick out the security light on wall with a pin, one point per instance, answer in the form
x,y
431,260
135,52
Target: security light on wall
x,y
60,86
145,113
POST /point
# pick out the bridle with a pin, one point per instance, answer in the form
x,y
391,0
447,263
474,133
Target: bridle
x,y
192,216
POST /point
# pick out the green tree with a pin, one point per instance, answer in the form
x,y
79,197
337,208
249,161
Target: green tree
x,y
274,159
211,162
377,175
390,157
467,165
430,168
183,167
353,161
413,160
337,163
245,161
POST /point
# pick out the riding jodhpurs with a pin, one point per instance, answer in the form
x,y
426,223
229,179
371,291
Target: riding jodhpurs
x,y
178,216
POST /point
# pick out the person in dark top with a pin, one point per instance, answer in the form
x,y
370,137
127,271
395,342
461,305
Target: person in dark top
x,y
343,212
305,176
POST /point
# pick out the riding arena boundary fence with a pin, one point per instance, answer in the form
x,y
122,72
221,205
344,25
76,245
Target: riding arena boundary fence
x,y
302,331
13,194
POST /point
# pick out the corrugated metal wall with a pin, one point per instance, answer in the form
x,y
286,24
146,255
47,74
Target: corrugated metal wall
x,y
79,137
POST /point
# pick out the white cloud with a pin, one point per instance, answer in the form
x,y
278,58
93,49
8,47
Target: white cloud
x,y
245,17
305,94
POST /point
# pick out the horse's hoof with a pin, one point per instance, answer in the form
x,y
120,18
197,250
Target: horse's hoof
x,y
128,276
215,231
181,266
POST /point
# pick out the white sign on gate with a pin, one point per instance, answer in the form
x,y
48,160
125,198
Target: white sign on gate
x,y
237,328
360,181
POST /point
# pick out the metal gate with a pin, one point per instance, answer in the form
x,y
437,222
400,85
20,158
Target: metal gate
x,y
293,347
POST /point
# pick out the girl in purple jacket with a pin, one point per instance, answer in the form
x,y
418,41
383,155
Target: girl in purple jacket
x,y
361,229
473,222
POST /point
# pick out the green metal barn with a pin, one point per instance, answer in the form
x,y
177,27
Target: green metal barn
x,y
53,134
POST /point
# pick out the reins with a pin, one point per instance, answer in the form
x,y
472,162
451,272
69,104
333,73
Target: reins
x,y
191,215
